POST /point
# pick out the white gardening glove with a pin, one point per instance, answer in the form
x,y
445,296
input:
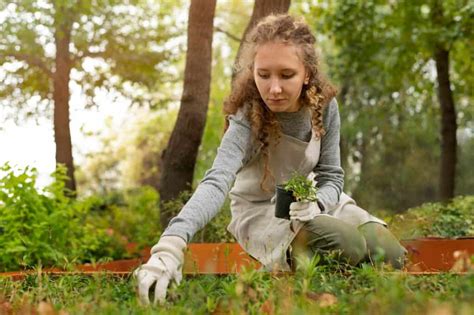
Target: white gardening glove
x,y
304,210
164,265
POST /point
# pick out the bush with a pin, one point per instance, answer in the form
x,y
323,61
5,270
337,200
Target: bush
x,y
46,227
454,219
131,215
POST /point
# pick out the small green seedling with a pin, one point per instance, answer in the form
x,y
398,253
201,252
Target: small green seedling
x,y
303,189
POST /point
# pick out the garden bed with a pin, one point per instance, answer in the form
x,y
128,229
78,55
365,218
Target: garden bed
x,y
426,256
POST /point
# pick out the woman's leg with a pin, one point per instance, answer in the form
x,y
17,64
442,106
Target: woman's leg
x,y
326,233
380,241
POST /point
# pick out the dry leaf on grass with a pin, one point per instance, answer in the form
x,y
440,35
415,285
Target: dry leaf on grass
x,y
463,262
267,308
45,308
442,309
5,308
323,299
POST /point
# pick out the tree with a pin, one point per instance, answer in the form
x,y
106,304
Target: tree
x,y
261,9
179,157
101,45
386,54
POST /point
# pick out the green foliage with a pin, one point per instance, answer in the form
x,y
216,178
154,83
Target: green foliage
x,y
465,171
402,153
363,290
108,51
129,156
380,53
303,189
46,227
454,219
132,216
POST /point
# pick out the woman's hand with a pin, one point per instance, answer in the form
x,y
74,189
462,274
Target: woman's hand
x,y
304,210
165,265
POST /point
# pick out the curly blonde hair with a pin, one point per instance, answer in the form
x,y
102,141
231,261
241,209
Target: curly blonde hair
x,y
316,94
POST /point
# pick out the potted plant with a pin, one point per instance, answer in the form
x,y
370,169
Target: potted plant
x,y
297,188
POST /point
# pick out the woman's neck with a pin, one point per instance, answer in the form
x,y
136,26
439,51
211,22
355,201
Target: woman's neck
x,y
296,124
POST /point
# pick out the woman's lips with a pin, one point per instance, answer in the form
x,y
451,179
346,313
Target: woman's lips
x,y
276,100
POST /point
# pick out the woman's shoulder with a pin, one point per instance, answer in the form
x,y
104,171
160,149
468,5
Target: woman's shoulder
x,y
332,107
332,110
240,117
331,113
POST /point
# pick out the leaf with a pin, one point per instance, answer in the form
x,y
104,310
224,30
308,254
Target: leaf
x,y
45,308
302,187
323,299
16,249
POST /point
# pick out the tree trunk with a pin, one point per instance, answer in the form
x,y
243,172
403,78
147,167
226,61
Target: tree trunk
x,y
448,126
261,9
179,158
62,134
343,143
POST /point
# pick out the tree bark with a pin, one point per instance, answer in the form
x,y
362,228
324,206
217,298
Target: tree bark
x,y
448,126
261,9
343,143
179,158
61,76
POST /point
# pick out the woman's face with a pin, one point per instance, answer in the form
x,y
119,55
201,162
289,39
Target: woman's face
x,y
279,75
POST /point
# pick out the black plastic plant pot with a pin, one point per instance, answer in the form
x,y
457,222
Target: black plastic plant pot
x,y
282,203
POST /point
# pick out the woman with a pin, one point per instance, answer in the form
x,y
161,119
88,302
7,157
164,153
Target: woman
x,y
282,118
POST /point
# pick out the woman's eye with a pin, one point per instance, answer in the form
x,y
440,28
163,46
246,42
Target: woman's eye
x,y
263,76
287,76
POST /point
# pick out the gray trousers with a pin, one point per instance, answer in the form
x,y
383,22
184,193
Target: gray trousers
x,y
369,242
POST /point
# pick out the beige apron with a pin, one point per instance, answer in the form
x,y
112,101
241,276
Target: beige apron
x,y
254,224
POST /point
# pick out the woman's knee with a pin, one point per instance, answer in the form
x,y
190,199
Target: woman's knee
x,y
353,245
382,243
333,234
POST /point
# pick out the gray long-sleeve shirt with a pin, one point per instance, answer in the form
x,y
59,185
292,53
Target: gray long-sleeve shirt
x,y
235,151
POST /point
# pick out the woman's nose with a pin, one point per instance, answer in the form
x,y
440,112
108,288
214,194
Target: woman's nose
x,y
275,86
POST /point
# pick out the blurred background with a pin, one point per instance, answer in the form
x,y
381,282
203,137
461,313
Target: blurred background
x,y
98,86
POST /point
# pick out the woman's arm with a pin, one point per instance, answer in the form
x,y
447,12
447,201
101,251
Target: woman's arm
x,y
329,174
211,192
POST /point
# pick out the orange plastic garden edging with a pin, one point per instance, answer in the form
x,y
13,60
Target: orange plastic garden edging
x,y
200,258
426,256
437,254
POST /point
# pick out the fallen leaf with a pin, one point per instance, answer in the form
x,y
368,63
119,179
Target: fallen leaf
x,y
6,308
463,262
221,308
45,308
323,299
267,308
252,294
443,309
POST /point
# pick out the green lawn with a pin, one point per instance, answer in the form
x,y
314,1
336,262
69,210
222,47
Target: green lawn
x,y
363,290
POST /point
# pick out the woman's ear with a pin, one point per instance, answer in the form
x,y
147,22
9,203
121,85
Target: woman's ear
x,y
306,77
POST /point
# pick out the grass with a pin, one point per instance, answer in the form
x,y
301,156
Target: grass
x,y
312,289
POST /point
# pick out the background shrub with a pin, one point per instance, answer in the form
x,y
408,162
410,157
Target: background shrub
x,y
454,219
45,226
